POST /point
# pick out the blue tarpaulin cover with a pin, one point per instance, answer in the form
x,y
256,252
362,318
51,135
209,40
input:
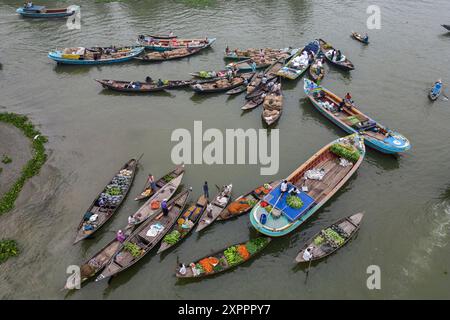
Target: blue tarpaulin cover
x,y
290,213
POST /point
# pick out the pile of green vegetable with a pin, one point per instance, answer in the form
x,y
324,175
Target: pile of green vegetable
x,y
319,240
172,237
8,249
345,151
167,177
254,245
133,249
268,208
33,166
294,202
232,255
113,190
333,237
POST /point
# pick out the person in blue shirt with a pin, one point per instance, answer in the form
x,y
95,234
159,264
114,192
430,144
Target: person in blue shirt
x,y
206,190
366,38
164,207
437,87
253,65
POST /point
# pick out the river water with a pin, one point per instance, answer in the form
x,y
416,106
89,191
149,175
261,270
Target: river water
x,y
92,133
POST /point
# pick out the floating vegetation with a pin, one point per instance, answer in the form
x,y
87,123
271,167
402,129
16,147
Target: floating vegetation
x,y
33,165
8,249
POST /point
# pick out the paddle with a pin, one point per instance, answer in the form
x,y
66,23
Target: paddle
x,y
307,270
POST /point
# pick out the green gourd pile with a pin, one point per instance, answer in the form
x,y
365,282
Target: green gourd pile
x,y
345,151
294,202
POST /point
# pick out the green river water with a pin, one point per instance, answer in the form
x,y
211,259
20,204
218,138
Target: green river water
x,y
93,132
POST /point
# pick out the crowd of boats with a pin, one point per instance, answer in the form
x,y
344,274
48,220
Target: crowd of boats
x,y
276,208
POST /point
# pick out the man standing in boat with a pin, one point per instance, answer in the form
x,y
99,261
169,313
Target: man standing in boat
x,y
307,254
206,190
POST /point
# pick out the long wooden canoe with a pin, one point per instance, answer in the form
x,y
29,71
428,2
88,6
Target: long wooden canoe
x,y
317,70
215,207
95,264
142,87
160,56
272,106
243,54
220,262
43,12
295,67
359,37
244,203
352,120
221,85
94,55
270,72
100,211
161,182
172,44
145,237
331,238
159,36
152,205
446,26
183,228
317,180
435,91
327,50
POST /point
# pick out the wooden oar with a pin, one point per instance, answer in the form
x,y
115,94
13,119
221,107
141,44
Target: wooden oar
x,y
307,270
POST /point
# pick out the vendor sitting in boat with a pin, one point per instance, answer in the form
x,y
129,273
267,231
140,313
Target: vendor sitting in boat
x,y
284,186
348,100
366,38
28,4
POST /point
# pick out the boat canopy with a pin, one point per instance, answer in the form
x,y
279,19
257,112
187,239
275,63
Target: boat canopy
x,y
278,201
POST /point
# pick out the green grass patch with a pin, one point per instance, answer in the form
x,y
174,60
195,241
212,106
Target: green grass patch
x,y
33,165
6,159
8,249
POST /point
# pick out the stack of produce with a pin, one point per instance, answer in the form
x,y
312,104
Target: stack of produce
x,y
294,202
272,105
240,205
345,151
333,237
173,237
263,190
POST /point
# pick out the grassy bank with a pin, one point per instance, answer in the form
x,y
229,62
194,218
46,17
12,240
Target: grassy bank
x,y
33,165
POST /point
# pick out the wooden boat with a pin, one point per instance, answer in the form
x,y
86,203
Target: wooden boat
x,y
243,54
161,182
317,70
261,88
160,36
171,44
237,90
435,91
446,26
359,37
95,55
221,261
327,50
270,72
95,264
215,207
107,202
300,61
246,202
247,65
253,103
42,12
209,74
352,120
317,180
220,85
160,56
273,105
142,86
152,205
182,229
331,238
145,237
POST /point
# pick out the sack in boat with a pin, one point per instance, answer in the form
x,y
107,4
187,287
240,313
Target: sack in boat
x,y
86,270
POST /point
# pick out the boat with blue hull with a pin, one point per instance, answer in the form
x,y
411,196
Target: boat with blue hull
x,y
42,12
352,120
309,187
300,61
95,55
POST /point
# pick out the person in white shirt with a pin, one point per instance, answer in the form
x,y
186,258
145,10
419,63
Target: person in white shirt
x,y
284,186
209,210
307,254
